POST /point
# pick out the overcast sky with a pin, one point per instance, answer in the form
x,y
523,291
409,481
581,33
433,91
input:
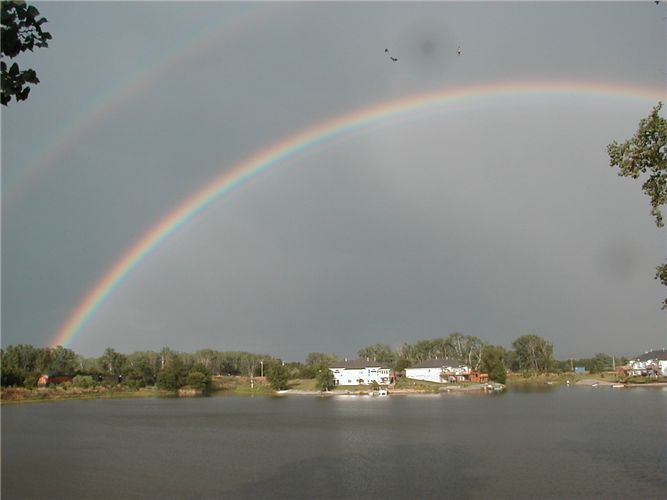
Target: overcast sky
x,y
494,218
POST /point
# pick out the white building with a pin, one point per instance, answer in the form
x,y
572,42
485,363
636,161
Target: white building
x,y
438,370
650,363
360,372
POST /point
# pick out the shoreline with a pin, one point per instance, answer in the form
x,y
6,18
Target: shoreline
x,y
27,396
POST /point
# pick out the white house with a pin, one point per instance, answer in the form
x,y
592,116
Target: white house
x,y
360,372
438,370
652,362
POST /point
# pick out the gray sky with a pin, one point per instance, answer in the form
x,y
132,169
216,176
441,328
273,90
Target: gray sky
x,y
492,217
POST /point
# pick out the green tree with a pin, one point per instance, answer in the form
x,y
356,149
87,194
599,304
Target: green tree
x,y
22,357
278,376
646,153
324,378
142,367
113,362
63,361
198,380
83,381
493,363
21,31
377,352
12,376
402,364
173,376
600,363
315,361
206,357
533,353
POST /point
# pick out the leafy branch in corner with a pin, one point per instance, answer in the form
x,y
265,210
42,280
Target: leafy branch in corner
x,y
646,153
21,31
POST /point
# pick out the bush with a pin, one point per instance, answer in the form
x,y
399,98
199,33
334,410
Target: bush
x,y
12,377
173,377
278,376
136,378
169,380
83,382
198,380
30,380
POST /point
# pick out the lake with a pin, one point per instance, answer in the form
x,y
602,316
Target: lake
x,y
556,443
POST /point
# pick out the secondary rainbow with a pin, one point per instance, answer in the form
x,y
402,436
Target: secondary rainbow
x,y
307,139
70,132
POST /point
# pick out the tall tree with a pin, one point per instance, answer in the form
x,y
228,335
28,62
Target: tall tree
x,y
533,353
63,361
377,352
315,361
22,357
646,153
21,31
113,362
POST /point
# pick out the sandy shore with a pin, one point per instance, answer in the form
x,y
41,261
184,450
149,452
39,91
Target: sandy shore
x,y
392,392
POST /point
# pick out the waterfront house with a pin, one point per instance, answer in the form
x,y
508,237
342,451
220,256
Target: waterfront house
x,y
439,370
650,363
360,372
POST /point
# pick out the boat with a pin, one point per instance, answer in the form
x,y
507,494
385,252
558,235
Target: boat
x,y
617,385
379,392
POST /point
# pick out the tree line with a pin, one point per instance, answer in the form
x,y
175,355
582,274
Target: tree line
x,y
23,364
529,354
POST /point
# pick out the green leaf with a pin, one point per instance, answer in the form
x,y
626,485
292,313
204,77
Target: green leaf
x,y
22,96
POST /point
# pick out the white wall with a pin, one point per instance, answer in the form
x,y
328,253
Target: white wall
x,y
427,374
351,376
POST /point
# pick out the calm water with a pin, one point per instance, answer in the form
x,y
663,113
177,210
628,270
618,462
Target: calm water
x,y
562,443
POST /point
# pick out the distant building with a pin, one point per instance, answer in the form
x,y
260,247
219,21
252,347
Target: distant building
x,y
45,379
441,370
650,363
360,372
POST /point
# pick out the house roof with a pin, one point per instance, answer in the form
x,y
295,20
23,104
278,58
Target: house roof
x,y
655,354
358,364
437,363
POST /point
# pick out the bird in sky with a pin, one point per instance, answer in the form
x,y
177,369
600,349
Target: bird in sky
x,y
459,51
386,51
393,58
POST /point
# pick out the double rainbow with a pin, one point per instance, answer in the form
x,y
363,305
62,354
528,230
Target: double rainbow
x,y
308,139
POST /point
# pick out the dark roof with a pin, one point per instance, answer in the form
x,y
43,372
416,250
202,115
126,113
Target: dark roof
x,y
655,354
437,363
358,364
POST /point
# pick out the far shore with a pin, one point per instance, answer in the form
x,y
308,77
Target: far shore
x,y
13,395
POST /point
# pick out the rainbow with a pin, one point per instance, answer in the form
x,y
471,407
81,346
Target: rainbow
x,y
70,132
319,134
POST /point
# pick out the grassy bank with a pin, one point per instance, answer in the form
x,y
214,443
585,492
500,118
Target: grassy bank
x,y
257,386
19,395
573,378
